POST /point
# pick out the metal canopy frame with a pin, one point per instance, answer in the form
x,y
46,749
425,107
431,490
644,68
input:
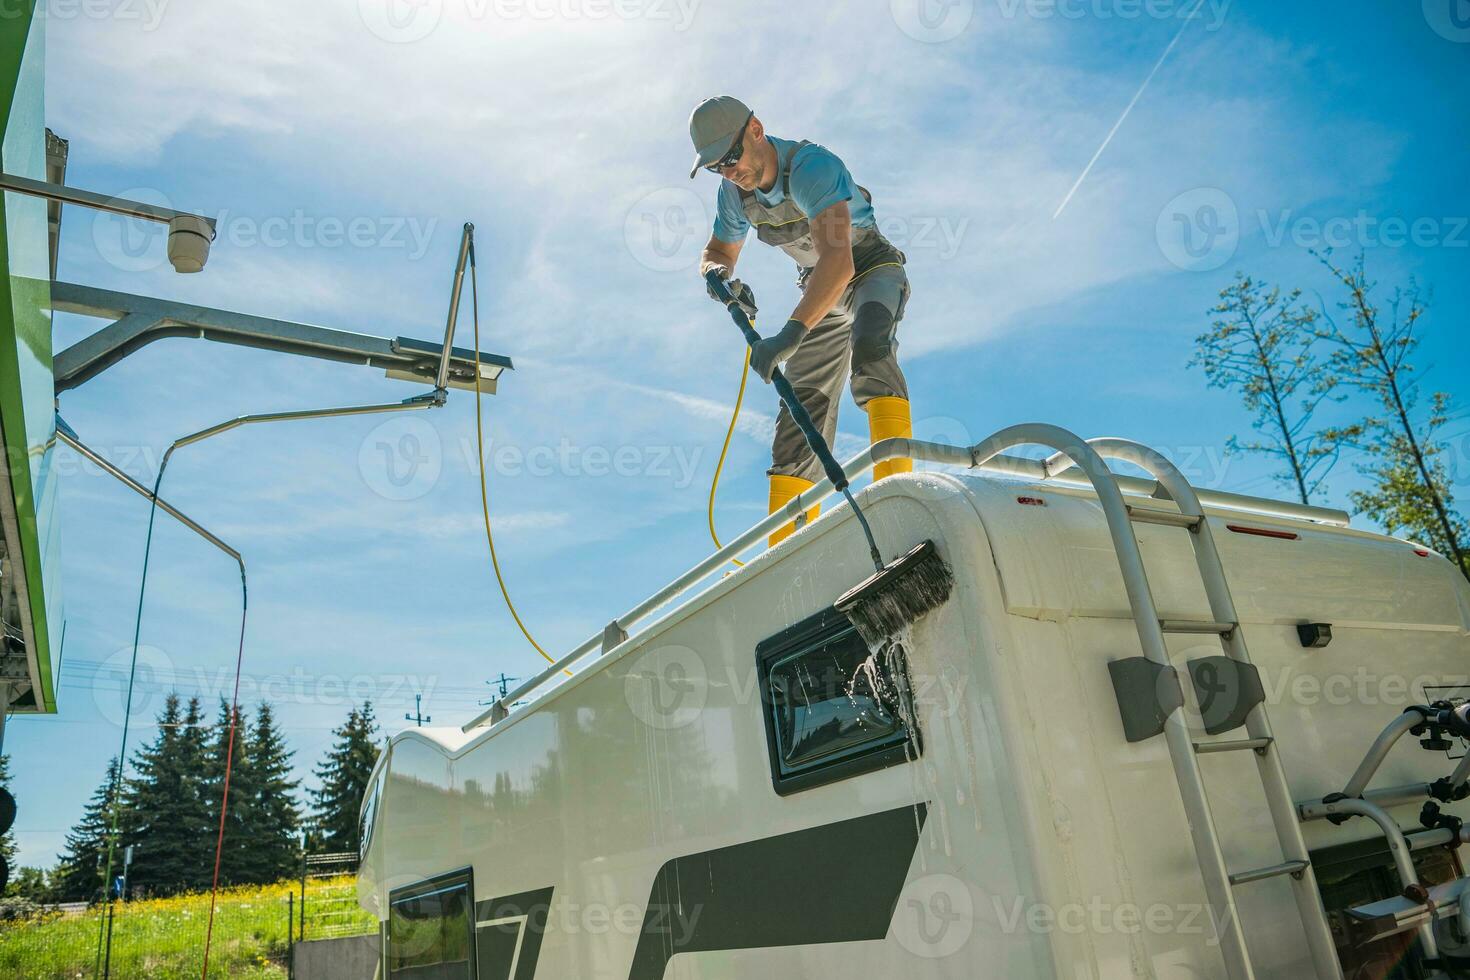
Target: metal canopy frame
x,y
140,320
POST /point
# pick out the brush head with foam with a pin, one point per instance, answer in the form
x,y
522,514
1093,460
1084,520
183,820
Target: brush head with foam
x,y
903,591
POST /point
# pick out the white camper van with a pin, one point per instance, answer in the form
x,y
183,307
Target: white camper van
x,y
1152,733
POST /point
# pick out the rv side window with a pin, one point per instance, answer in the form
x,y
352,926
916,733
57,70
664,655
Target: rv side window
x,y
834,709
431,930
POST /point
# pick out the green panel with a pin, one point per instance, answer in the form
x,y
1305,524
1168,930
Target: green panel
x,y
27,412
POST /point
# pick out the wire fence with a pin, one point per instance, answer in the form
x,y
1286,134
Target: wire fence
x,y
328,898
163,939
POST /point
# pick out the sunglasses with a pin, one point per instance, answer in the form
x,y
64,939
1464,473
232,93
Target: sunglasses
x,y
737,150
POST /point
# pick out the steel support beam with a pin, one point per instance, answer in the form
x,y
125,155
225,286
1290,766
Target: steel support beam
x,y
140,320
91,199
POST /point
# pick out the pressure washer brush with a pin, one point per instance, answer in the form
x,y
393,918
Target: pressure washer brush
x,y
897,593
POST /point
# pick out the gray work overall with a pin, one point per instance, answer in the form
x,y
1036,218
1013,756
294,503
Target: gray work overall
x,y
860,330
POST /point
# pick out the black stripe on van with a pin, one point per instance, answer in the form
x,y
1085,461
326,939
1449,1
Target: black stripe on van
x,y
508,933
837,883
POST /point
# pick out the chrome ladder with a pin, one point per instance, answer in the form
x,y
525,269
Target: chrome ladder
x,y
1184,750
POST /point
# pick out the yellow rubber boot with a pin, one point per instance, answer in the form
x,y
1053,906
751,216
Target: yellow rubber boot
x,y
888,417
783,490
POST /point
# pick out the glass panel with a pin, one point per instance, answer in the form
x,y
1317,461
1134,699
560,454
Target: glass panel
x,y
27,393
429,935
369,815
832,701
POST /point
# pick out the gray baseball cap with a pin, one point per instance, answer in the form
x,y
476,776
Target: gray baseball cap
x,y
713,126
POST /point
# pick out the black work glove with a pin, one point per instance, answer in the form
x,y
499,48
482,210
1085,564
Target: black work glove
x,y
766,354
744,298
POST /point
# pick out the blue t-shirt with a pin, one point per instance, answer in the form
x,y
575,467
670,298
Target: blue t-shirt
x,y
819,179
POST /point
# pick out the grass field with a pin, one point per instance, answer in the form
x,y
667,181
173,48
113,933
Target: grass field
x,y
163,939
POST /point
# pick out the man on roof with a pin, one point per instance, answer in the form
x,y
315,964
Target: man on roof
x,y
800,198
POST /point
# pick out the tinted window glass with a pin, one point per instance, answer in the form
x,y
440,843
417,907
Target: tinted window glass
x,y
430,934
833,707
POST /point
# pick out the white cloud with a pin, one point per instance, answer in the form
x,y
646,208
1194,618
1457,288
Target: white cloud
x,y
556,127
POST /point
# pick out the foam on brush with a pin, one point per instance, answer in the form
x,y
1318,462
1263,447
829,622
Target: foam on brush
x,y
905,590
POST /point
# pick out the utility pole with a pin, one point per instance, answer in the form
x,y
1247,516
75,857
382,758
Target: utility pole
x,y
301,932
418,717
127,866
503,684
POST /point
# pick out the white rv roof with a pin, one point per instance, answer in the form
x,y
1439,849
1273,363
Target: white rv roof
x,y
1051,547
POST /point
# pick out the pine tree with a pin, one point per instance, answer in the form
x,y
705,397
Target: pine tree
x,y
236,858
274,835
166,814
79,876
344,778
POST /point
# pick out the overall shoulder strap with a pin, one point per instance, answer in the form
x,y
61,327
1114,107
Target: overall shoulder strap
x,y
786,168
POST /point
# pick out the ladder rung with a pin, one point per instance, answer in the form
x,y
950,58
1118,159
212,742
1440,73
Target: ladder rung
x,y
1232,745
1195,626
1261,874
1154,515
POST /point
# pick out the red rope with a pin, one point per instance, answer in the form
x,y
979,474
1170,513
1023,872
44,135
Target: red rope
x,y
224,803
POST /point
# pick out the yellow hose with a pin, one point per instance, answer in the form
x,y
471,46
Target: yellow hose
x,y
484,491
729,432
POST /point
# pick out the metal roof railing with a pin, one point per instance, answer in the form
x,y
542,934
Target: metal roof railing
x,y
987,455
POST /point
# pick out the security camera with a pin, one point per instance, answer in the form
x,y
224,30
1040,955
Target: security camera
x,y
188,242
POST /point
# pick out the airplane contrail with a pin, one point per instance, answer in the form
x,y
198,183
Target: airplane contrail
x,y
1132,102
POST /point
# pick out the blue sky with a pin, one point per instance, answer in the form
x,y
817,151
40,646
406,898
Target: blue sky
x,y
559,128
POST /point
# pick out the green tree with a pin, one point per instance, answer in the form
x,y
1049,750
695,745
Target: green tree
x,y
276,819
1411,484
165,809
33,884
237,863
79,876
7,841
1261,344
343,776
260,842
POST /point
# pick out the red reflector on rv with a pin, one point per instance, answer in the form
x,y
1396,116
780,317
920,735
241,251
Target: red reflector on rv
x,y
1422,552
1264,532
1031,501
